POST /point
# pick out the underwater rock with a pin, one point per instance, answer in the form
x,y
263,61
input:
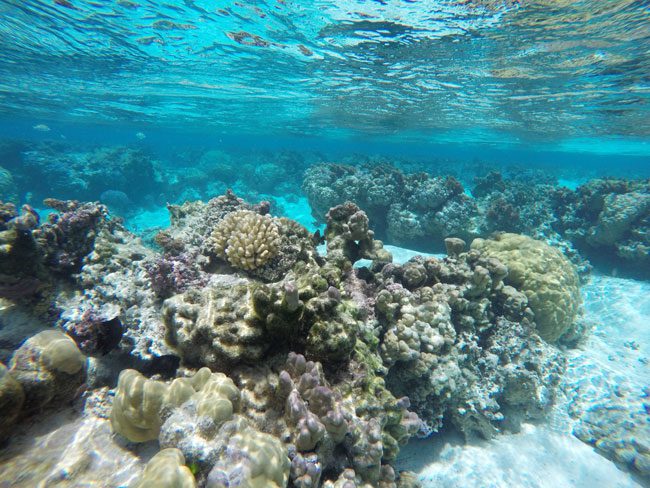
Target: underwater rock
x,y
117,201
216,326
167,470
618,215
349,238
609,221
94,333
442,342
69,235
114,282
21,267
619,428
12,398
50,368
546,277
17,324
128,170
403,208
170,274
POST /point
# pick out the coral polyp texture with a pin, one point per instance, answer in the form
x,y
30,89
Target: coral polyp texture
x,y
253,360
139,402
246,239
544,274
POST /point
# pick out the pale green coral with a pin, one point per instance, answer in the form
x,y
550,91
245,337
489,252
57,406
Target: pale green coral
x,y
544,274
139,401
60,352
49,367
216,326
247,240
167,470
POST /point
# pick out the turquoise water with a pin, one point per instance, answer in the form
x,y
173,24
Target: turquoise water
x,y
125,260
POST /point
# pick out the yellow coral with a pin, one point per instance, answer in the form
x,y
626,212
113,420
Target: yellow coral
x,y
544,274
246,239
138,401
167,470
60,352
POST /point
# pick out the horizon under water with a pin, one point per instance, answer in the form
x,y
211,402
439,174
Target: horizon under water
x,y
338,244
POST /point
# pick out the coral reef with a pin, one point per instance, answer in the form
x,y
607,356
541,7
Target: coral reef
x,y
609,221
167,470
606,220
414,209
246,239
57,170
50,369
12,398
139,402
295,369
246,457
462,344
543,273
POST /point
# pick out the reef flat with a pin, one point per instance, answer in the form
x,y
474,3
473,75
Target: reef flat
x,y
230,345
236,333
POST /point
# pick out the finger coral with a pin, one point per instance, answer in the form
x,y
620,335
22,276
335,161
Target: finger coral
x,y
246,239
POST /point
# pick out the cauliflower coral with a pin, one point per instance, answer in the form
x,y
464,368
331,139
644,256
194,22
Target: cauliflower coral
x,y
245,239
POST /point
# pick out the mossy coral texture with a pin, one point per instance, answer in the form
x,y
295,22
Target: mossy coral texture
x,y
544,274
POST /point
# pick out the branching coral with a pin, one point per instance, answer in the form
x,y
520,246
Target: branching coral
x,y
246,239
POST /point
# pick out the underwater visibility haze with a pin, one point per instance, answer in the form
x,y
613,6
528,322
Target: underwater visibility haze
x,y
362,243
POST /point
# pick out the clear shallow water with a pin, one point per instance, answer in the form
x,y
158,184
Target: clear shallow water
x,y
530,71
141,104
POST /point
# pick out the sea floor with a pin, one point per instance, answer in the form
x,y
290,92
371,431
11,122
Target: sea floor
x,y
67,450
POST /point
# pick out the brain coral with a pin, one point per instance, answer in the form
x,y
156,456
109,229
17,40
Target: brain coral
x,y
544,274
245,239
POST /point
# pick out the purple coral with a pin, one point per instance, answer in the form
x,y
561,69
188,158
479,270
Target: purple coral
x,y
169,274
69,236
94,333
